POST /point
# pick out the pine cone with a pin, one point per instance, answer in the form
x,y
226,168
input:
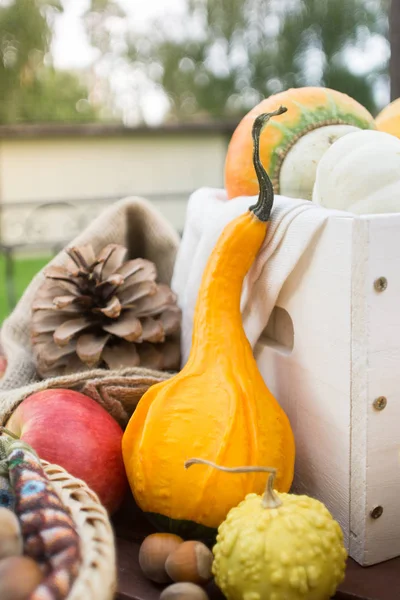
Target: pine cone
x,y
104,313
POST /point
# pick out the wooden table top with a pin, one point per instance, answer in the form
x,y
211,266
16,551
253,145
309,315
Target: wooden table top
x,y
380,582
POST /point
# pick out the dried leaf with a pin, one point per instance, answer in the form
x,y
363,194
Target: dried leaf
x,y
65,332
121,355
127,327
90,346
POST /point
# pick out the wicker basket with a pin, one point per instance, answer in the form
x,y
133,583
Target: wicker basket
x,y
97,576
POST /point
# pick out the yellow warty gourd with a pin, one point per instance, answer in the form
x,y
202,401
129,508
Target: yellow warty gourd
x,y
278,547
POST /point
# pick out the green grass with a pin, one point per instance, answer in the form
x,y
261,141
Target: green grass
x,y
24,270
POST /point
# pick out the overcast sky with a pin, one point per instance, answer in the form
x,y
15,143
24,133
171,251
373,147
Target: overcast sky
x,y
70,47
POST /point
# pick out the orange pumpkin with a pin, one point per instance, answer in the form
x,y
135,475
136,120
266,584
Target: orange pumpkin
x,y
291,147
388,119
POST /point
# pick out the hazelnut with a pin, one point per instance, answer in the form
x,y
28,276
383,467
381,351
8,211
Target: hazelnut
x,y
11,543
19,577
191,561
184,591
153,553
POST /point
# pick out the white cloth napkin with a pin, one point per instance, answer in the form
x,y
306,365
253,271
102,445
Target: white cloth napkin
x,y
295,224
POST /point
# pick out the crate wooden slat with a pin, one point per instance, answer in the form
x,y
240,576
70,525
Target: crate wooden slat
x,y
381,582
346,352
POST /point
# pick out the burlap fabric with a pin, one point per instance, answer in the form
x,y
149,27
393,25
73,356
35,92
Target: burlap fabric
x,y
135,223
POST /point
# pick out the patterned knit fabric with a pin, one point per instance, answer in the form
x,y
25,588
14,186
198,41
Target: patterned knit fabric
x,y
7,498
48,531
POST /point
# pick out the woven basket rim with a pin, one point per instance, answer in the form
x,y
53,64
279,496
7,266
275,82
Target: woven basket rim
x,y
97,578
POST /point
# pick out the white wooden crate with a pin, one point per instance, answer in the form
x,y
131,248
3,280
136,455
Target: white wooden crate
x,y
346,353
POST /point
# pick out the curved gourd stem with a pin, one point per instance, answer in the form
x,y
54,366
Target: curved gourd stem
x,y
270,498
11,434
263,208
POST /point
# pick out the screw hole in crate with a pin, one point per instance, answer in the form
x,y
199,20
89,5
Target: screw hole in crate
x,y
376,512
279,332
380,403
380,284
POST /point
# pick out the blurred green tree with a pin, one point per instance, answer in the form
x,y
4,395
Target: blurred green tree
x,y
224,56
31,89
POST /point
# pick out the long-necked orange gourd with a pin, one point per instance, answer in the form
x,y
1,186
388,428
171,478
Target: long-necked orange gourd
x,y
218,406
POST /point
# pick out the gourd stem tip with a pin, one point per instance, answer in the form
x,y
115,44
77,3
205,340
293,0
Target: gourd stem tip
x,y
263,208
270,498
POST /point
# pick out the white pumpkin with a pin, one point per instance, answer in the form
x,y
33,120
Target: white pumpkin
x,y
360,173
297,174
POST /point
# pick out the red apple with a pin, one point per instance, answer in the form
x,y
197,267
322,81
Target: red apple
x,y
73,431
3,365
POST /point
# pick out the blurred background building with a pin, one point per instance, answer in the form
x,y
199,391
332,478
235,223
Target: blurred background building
x,y
55,178
102,99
